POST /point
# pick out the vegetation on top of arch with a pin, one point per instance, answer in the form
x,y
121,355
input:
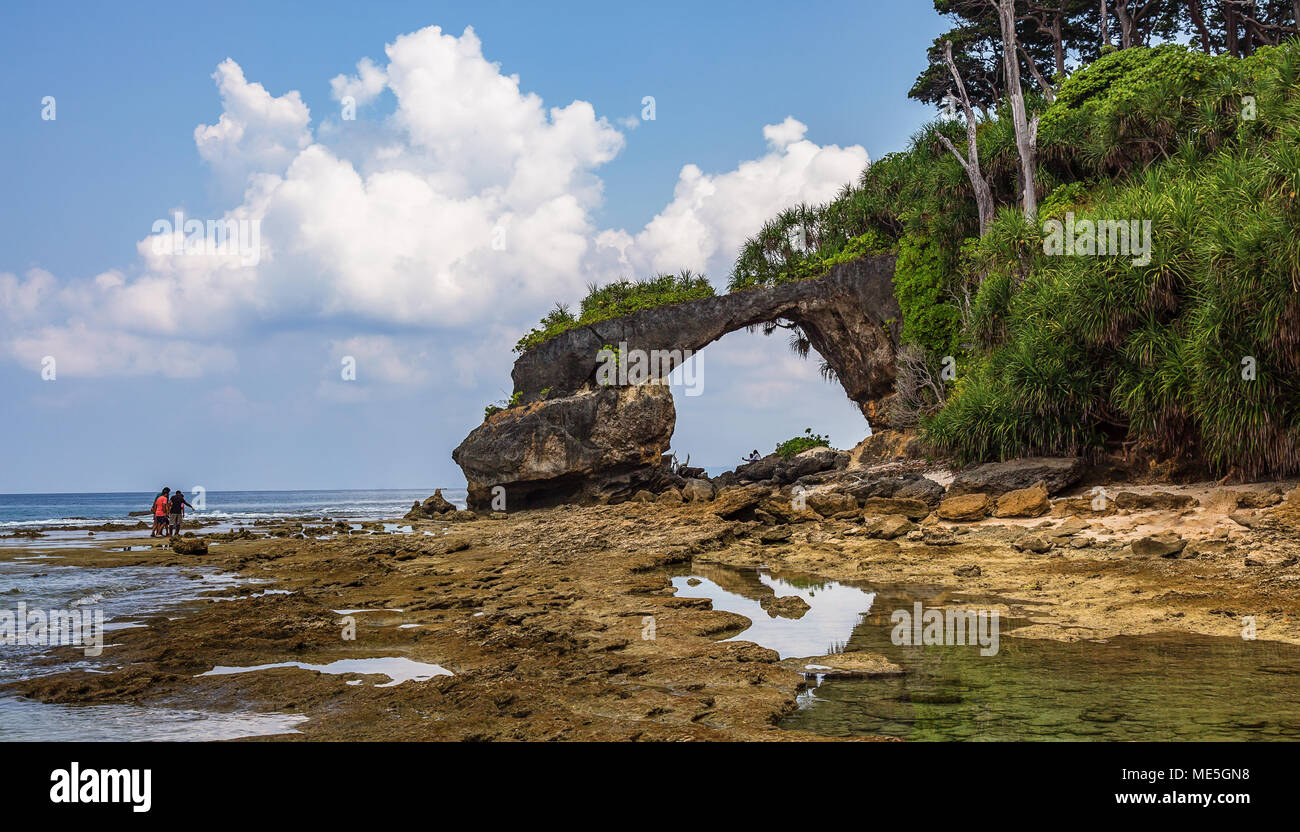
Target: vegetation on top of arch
x,y
613,300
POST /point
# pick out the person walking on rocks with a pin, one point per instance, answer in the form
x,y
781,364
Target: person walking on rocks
x,y
160,508
178,512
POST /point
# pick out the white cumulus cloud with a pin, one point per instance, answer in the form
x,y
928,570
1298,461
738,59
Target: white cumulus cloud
x,y
468,209
712,215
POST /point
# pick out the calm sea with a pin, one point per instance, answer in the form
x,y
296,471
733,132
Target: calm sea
x,y
52,509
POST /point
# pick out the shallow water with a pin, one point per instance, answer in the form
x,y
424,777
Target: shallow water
x,y
37,510
1171,686
22,720
124,595
398,669
835,609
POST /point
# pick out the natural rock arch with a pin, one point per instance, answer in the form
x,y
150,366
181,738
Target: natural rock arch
x,y
572,439
851,317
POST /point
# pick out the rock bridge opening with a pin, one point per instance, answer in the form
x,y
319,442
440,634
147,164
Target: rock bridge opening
x,y
594,414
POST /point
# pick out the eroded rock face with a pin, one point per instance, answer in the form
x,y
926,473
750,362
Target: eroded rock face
x,y
1024,502
997,478
573,439
431,508
780,470
851,317
594,445
965,507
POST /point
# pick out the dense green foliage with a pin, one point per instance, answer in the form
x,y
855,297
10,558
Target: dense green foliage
x,y
799,444
621,297
1187,348
1193,353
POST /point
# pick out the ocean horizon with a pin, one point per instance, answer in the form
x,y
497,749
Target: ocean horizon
x,y
35,510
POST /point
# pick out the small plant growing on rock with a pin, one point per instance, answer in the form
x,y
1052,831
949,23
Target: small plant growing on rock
x,y
506,404
799,444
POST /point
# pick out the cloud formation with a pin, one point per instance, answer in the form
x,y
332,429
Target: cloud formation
x,y
468,208
711,216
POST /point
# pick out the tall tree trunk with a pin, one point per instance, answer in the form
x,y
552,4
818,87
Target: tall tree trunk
x,y
1230,29
1198,20
971,161
1058,45
1125,24
1026,132
1046,88
1105,27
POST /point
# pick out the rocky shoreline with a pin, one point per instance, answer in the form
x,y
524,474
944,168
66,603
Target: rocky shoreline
x,y
542,615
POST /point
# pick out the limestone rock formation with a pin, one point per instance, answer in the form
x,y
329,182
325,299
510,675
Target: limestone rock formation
x,y
596,444
1164,544
780,470
879,506
851,317
431,508
997,478
189,545
965,507
888,527
1024,502
572,439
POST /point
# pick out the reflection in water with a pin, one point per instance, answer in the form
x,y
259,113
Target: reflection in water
x,y
834,609
1172,686
398,669
1150,688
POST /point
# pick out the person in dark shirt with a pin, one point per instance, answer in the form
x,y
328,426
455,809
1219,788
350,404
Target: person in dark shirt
x,y
178,512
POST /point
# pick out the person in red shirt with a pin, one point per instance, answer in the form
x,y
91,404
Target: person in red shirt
x,y
160,504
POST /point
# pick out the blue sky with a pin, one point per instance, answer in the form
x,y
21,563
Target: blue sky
x,y
228,378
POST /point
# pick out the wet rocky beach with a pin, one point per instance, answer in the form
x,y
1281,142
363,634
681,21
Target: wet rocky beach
x,y
611,622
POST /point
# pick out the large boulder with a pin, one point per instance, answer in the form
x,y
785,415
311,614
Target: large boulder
x,y
1164,545
827,503
189,545
738,502
884,446
899,486
881,506
888,527
782,470
1024,502
965,507
1154,501
598,444
997,478
697,491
